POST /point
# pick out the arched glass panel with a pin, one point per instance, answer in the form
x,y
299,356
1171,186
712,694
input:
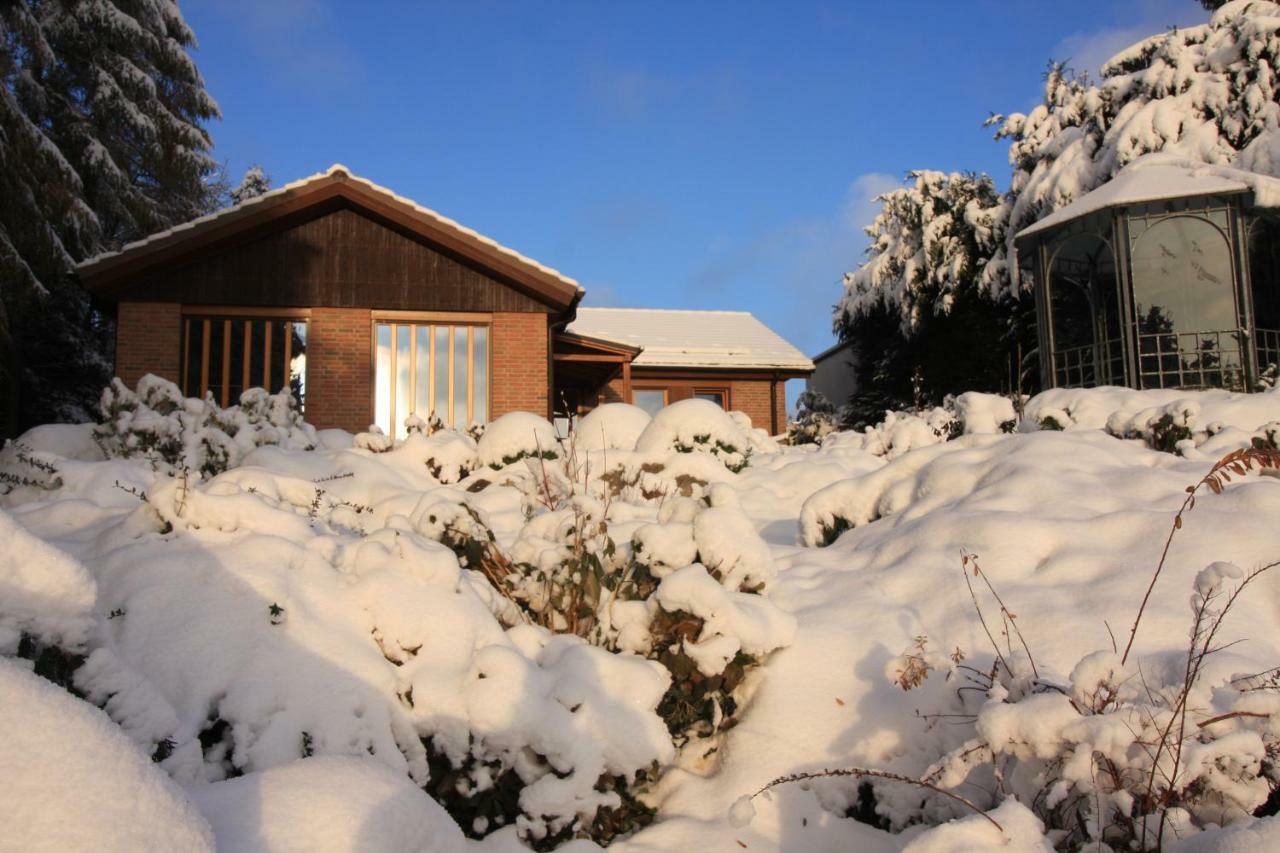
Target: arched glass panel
x,y
1185,307
1264,281
1084,313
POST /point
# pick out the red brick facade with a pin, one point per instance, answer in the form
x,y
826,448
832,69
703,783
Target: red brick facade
x,y
751,396
148,340
339,369
520,364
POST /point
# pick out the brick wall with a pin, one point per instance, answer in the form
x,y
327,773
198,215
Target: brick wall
x,y
339,365
519,362
148,340
745,395
752,396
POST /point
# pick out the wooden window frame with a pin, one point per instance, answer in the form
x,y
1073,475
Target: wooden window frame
x,y
206,315
723,391
432,320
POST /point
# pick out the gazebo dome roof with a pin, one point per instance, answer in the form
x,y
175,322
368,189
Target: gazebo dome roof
x,y
1156,177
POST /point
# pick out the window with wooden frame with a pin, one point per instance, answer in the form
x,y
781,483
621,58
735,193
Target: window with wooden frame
x,y
650,399
226,354
719,396
422,367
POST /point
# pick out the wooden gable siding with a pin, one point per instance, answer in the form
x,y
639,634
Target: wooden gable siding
x,y
340,259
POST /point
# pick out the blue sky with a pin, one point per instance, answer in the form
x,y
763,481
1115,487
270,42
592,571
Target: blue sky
x,y
680,155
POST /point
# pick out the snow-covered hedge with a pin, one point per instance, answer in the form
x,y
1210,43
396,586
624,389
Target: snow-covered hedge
x,y
157,423
689,426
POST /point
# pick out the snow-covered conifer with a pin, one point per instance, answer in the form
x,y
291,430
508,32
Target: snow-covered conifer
x,y
101,141
254,183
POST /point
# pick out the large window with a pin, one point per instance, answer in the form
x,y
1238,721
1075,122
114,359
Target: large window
x,y
224,356
1184,300
428,368
650,399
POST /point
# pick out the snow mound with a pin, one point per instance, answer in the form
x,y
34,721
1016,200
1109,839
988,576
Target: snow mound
x,y
689,426
613,426
73,781
44,592
331,803
1023,833
515,436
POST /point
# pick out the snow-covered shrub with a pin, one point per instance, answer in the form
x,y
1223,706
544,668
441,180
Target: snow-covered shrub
x,y
698,426
612,426
516,436
1116,755
1131,757
170,431
451,456
72,779
815,419
1200,425
23,467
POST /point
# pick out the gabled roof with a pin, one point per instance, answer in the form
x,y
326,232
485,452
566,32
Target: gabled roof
x,y
707,339
110,271
1157,177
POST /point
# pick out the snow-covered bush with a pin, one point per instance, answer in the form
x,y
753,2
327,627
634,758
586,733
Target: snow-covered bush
x,y
516,436
170,431
73,780
815,419
698,426
612,426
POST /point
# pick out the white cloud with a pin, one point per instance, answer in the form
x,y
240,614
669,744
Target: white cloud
x,y
790,275
300,44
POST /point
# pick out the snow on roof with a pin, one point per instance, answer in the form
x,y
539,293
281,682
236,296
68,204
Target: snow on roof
x,y
335,169
673,338
1155,177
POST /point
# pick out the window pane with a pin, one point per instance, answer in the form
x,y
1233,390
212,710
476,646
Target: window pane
x,y
195,334
460,377
403,389
382,382
651,401
280,331
257,353
441,407
480,405
298,364
716,397
1183,290
235,363
215,359
422,398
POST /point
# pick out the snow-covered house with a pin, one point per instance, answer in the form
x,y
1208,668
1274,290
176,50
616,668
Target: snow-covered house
x,y
1166,276
371,308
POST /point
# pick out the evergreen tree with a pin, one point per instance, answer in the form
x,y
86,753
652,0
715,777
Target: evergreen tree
x,y
922,325
254,183
101,141
938,263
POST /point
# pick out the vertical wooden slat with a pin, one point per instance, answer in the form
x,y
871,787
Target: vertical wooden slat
x,y
288,350
248,339
471,377
204,359
413,368
431,368
393,384
266,359
448,418
226,363
186,356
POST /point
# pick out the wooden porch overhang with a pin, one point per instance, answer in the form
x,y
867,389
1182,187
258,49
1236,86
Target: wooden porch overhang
x,y
586,362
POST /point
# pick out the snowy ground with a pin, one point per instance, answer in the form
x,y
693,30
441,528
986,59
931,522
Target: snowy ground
x,y
301,656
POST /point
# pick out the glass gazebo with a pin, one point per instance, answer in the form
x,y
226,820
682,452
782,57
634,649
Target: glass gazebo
x,y
1168,276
